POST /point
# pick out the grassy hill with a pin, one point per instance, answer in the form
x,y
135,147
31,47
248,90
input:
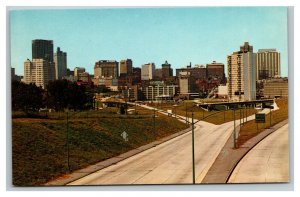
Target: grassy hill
x,y
40,144
249,129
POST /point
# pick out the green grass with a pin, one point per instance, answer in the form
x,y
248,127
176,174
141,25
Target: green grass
x,y
40,145
249,129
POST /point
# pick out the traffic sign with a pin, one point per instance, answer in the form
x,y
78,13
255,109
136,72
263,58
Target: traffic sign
x,y
260,118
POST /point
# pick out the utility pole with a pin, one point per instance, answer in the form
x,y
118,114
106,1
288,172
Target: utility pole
x,y
186,121
234,133
153,120
270,117
193,148
68,149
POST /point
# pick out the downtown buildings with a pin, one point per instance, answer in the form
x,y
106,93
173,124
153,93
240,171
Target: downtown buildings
x,y
44,66
41,69
245,68
251,75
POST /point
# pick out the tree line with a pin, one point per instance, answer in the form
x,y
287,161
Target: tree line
x,y
58,95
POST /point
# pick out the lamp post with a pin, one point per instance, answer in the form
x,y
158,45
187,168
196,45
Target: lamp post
x,y
154,120
193,147
186,122
68,148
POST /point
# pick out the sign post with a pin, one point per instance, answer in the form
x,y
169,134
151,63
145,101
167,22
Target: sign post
x,y
259,118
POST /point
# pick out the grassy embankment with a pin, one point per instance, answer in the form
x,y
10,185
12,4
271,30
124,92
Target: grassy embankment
x,y
249,129
215,117
40,144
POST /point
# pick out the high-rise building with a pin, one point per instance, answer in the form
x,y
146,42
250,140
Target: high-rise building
x,y
167,71
136,75
187,83
242,74
39,71
268,64
126,67
106,68
77,71
215,71
60,60
42,49
148,71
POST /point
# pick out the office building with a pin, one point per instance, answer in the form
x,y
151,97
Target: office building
x,y
198,72
148,71
39,72
84,76
159,92
42,49
136,75
276,87
77,71
215,71
126,67
187,83
242,74
167,71
106,68
60,60
268,64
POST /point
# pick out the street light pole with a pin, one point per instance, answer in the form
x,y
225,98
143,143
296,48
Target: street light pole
x,y
68,149
186,113
153,120
270,117
234,134
193,147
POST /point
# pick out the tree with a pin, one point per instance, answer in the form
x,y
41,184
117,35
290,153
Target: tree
x,y
64,94
57,94
26,97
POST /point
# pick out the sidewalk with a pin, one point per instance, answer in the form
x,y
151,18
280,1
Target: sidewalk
x,y
228,158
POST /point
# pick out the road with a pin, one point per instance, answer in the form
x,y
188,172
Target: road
x,y
169,162
268,161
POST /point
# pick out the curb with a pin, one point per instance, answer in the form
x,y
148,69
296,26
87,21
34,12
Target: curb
x,y
68,178
223,166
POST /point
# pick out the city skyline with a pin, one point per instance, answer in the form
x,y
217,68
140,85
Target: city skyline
x,y
178,35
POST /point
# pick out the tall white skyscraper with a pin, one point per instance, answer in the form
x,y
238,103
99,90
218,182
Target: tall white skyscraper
x,y
242,74
148,71
268,64
39,72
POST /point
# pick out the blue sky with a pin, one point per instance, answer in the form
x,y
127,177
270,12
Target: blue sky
x,y
179,35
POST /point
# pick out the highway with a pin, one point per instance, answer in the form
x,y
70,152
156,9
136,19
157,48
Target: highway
x,y
267,162
169,162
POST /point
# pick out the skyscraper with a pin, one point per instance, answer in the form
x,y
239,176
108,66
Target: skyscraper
x,y
60,59
42,49
41,69
148,71
38,71
242,74
126,67
167,71
268,63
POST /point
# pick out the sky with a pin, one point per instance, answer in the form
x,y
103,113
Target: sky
x,y
198,35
